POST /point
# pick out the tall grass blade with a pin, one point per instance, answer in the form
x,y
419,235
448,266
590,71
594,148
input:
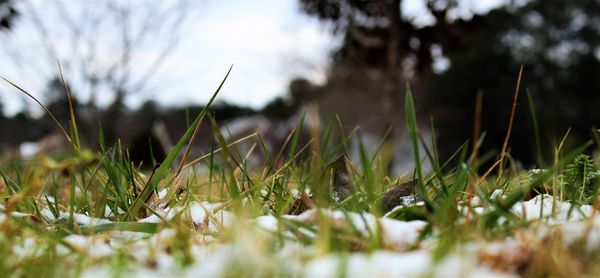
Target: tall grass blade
x,y
62,129
411,121
74,132
150,228
510,125
296,138
536,130
165,166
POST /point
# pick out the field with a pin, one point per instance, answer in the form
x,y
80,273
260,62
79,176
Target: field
x,y
305,211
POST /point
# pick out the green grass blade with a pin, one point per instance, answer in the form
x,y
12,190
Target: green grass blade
x,y
435,165
267,153
536,130
73,123
296,138
165,166
411,121
368,174
150,228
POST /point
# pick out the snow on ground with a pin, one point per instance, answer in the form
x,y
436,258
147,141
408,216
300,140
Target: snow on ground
x,y
546,207
207,215
253,250
393,264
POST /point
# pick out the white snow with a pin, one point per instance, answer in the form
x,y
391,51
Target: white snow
x,y
29,149
87,221
399,234
78,218
392,264
267,222
497,193
396,234
544,206
162,193
253,249
95,246
475,201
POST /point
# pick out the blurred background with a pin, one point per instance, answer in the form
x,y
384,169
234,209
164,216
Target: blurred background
x,y
140,69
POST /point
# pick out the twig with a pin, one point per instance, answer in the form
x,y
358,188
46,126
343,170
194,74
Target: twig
x,y
510,124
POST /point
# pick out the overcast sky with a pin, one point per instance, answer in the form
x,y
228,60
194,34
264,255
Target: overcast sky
x,y
268,42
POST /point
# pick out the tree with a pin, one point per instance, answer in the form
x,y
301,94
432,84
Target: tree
x,y
109,50
383,49
57,101
558,43
300,93
8,13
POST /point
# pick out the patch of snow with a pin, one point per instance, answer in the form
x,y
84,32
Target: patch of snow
x,y
108,211
96,247
263,193
400,234
545,206
85,220
200,214
392,264
162,193
25,248
587,230
475,201
19,214
78,218
29,149
209,264
211,258
150,219
397,234
96,272
46,213
295,193
497,193
267,222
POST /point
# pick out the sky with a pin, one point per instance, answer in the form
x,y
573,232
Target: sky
x,y
268,42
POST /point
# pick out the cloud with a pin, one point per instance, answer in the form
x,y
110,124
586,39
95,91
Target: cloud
x,y
268,42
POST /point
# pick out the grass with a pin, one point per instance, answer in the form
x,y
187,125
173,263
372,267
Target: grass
x,y
96,212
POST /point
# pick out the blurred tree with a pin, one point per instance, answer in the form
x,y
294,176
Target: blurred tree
x,y
300,92
382,49
378,34
110,50
559,44
147,114
303,91
223,111
8,13
278,109
57,101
